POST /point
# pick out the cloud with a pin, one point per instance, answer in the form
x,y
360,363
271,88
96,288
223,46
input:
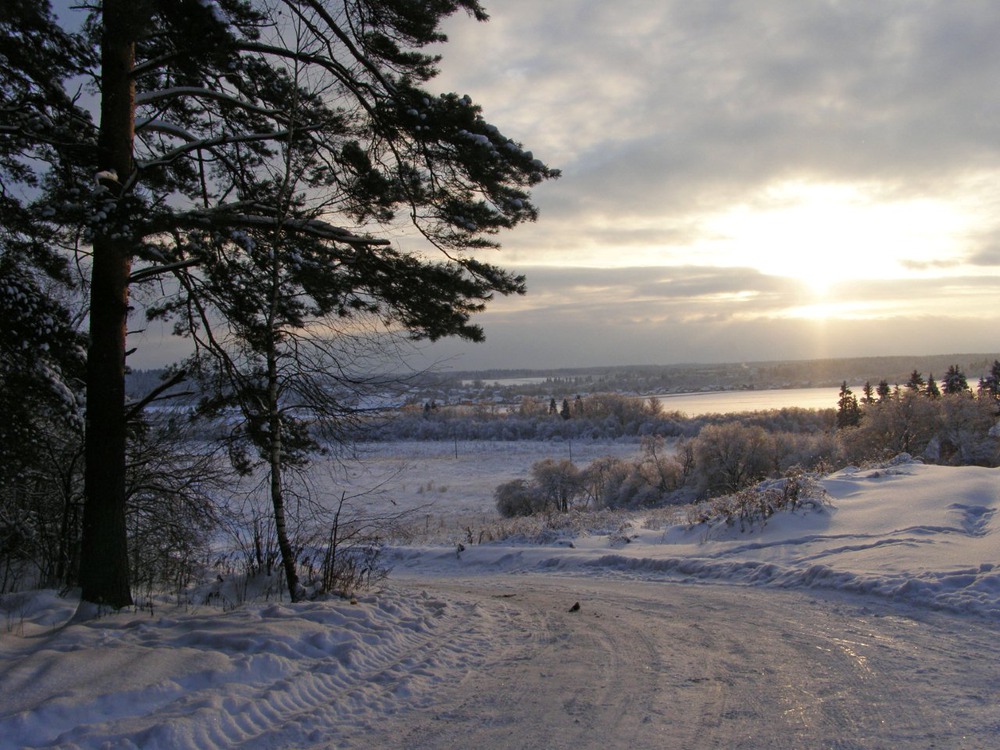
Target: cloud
x,y
669,106
742,180
744,175
594,316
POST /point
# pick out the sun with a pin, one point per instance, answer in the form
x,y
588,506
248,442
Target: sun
x,y
825,235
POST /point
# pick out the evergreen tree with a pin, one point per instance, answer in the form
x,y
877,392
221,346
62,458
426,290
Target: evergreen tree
x,y
916,382
931,390
869,393
989,383
955,381
883,391
848,411
41,349
199,100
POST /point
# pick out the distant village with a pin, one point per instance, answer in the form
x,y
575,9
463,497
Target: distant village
x,y
439,388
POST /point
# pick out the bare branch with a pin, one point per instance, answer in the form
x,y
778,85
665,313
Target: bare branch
x,y
134,409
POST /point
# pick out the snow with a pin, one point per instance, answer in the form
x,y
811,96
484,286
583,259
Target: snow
x,y
916,534
907,539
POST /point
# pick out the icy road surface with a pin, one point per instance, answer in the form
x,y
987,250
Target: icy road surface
x,y
661,665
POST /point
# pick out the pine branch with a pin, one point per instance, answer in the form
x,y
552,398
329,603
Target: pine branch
x,y
147,273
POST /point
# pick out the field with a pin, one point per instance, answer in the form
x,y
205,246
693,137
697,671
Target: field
x,y
445,486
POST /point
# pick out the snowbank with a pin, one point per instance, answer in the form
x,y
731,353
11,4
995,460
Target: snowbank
x,y
910,532
210,679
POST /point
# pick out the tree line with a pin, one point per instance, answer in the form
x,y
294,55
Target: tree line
x,y
946,423
596,416
712,458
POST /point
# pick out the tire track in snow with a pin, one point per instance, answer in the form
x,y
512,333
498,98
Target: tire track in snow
x,y
253,678
668,666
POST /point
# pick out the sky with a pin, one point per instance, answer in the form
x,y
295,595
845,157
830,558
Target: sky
x,y
741,181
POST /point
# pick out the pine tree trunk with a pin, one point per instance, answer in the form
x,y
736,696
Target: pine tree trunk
x,y
104,573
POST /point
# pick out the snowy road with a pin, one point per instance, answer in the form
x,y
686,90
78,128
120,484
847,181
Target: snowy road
x,y
658,665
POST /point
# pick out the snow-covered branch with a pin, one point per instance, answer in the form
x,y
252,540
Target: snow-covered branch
x,y
153,271
313,227
208,144
152,97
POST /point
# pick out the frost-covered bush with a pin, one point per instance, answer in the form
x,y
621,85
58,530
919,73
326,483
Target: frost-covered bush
x,y
516,498
721,460
604,479
954,429
557,483
964,436
554,486
897,425
753,506
655,479
810,451
729,457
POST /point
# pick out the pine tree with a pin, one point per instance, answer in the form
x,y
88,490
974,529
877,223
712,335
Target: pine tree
x,y
989,383
41,356
916,382
883,390
199,101
869,393
931,390
848,410
41,349
955,381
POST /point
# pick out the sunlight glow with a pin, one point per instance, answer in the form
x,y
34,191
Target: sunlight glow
x,y
839,310
826,234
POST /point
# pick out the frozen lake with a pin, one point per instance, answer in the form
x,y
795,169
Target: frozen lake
x,y
728,402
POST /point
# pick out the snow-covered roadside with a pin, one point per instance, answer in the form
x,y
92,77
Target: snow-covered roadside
x,y
321,674
264,675
924,535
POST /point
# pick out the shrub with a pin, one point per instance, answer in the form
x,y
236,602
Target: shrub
x,y
964,434
603,480
556,483
515,498
753,506
729,457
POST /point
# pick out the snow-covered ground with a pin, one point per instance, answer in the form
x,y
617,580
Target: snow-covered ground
x,y
888,593
449,485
